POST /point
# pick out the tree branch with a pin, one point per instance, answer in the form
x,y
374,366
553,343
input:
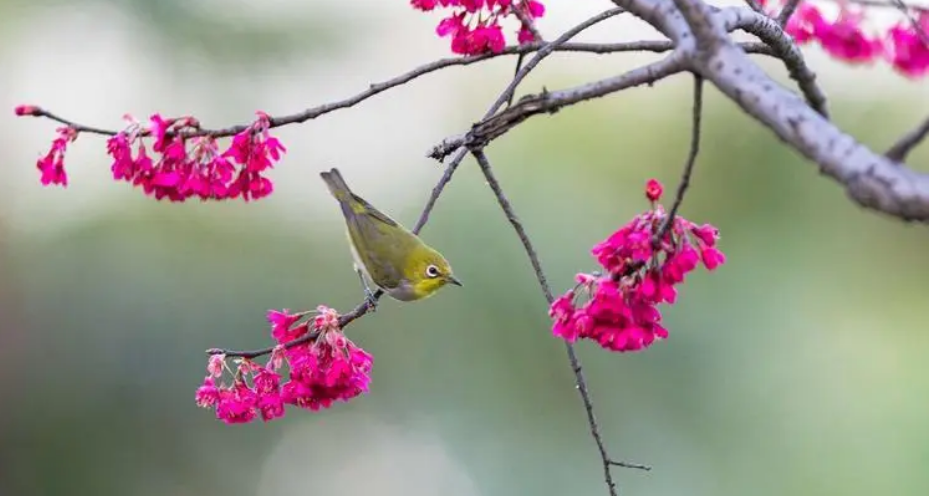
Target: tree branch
x,y
576,366
546,50
773,35
492,128
696,118
787,11
871,180
377,88
902,148
905,10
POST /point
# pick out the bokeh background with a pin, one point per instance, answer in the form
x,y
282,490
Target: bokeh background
x,y
797,368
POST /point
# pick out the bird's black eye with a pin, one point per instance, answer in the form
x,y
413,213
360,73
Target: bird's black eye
x,y
432,271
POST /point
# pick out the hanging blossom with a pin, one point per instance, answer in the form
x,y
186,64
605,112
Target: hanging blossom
x,y
621,311
180,165
474,25
322,371
845,38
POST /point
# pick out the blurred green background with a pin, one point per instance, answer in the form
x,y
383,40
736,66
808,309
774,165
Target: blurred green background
x,y
797,368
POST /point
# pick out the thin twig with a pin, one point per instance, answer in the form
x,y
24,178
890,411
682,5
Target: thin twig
x,y
519,65
527,21
883,4
691,159
576,366
637,466
536,36
545,51
754,5
655,46
787,11
905,145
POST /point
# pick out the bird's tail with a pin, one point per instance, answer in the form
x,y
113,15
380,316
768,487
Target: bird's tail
x,y
337,185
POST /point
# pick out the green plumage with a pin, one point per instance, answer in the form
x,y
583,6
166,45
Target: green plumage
x,y
390,256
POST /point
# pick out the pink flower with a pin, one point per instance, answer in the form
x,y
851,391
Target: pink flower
x,y
804,22
844,39
267,381
216,365
535,9
906,50
474,26
193,166
525,35
424,5
271,407
712,258
237,405
208,394
621,311
52,165
22,110
281,323
329,369
653,190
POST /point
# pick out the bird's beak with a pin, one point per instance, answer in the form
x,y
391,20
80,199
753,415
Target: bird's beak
x,y
453,280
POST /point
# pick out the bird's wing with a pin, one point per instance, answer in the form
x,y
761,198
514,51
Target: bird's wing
x,y
379,247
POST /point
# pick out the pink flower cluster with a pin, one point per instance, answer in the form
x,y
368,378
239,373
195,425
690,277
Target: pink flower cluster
x,y
844,37
182,163
324,367
474,25
52,164
194,166
621,311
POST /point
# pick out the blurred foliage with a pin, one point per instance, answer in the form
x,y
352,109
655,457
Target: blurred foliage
x,y
219,34
797,367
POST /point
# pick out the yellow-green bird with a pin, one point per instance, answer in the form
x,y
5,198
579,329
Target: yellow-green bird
x,y
386,253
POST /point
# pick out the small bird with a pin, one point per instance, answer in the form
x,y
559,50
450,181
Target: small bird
x,y
385,253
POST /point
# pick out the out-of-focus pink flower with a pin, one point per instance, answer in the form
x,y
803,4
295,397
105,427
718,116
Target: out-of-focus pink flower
x,y
906,50
22,110
845,39
803,23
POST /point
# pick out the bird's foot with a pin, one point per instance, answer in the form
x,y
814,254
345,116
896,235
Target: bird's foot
x,y
370,300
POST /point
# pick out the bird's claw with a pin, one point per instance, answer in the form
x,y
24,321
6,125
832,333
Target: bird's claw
x,y
370,300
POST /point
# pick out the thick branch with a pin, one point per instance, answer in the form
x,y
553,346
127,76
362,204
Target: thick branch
x,y
576,367
871,180
771,33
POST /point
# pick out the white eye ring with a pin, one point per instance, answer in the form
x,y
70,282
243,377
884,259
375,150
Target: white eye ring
x,y
432,271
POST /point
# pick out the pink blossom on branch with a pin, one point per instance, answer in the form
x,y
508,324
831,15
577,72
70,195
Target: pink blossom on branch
x,y
621,311
181,164
52,165
848,38
327,369
474,25
906,50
